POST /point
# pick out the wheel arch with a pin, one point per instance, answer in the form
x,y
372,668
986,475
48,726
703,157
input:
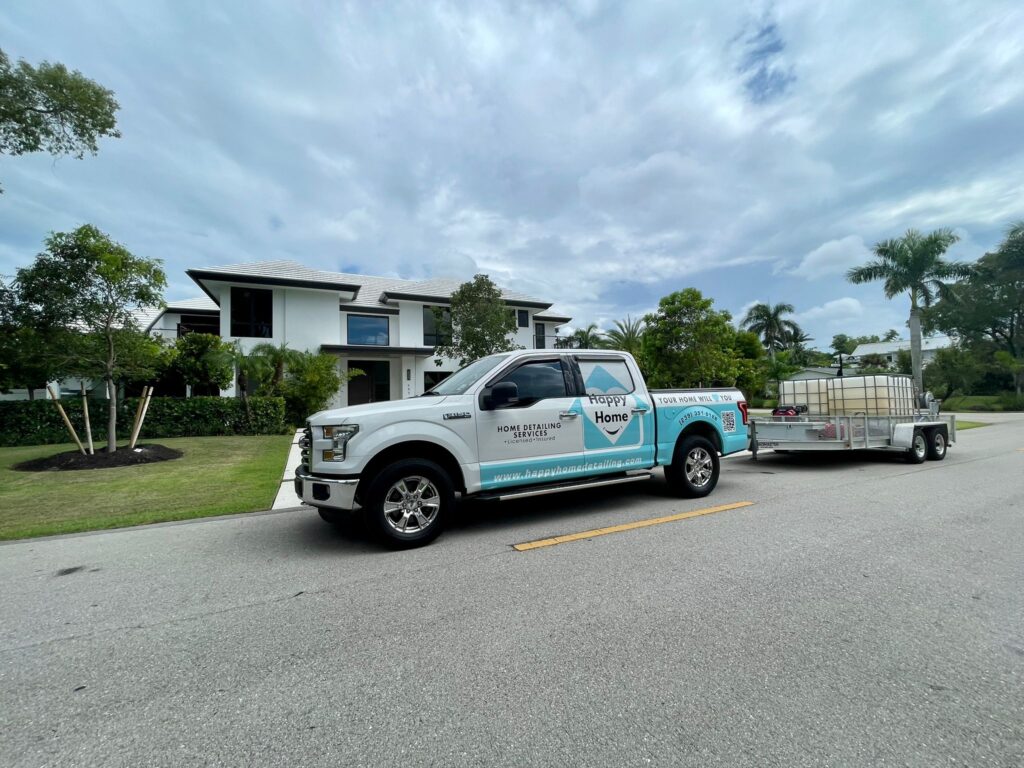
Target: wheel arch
x,y
415,449
704,429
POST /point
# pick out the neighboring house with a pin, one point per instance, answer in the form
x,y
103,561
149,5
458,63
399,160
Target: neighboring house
x,y
382,326
891,349
814,373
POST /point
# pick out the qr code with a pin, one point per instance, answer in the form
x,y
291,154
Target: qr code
x,y
729,421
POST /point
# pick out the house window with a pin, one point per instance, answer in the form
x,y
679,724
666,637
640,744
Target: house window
x,y
523,318
432,378
371,331
539,338
252,313
199,324
432,335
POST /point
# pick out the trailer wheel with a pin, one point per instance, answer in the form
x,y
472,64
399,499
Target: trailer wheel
x,y
693,472
937,444
406,503
918,448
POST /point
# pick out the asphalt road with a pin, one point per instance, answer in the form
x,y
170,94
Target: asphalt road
x,y
861,612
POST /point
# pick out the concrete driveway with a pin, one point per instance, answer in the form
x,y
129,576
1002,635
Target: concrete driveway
x,y
861,611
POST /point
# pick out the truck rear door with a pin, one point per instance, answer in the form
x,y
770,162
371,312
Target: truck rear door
x,y
618,418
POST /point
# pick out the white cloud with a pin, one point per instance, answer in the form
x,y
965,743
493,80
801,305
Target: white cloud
x,y
835,312
834,257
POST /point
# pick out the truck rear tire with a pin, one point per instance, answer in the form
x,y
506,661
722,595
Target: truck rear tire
x,y
918,448
693,472
937,444
407,503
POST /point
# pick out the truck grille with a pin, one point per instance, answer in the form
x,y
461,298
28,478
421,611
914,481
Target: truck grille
x,y
305,445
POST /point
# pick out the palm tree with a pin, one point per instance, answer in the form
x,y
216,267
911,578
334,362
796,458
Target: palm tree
x,y
277,357
767,321
913,264
249,370
587,338
626,336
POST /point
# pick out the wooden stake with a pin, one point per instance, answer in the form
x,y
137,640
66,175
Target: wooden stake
x,y
67,421
148,393
138,413
85,412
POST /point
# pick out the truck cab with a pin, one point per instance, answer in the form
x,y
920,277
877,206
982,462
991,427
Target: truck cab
x,y
510,425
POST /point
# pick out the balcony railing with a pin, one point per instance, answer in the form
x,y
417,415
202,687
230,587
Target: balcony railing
x,y
555,342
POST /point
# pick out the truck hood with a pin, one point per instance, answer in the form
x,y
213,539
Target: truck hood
x,y
353,413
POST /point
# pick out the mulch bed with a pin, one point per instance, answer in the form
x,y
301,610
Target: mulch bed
x,y
122,457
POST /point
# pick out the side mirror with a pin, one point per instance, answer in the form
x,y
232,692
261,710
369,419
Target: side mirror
x,y
501,395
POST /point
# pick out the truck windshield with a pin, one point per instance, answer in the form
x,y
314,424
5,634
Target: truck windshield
x,y
464,378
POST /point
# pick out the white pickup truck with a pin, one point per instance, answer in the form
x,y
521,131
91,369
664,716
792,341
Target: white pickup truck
x,y
512,425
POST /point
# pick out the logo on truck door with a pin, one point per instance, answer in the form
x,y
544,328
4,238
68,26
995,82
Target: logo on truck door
x,y
608,405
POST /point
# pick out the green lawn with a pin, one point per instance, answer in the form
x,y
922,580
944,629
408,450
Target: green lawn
x,y
216,476
972,403
962,425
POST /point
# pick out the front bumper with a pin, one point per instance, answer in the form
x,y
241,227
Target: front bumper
x,y
325,492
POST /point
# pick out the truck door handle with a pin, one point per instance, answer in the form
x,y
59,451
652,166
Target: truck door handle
x,y
640,410
568,414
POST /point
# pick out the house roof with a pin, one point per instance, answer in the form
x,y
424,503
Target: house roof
x,y
201,304
357,290
891,347
548,317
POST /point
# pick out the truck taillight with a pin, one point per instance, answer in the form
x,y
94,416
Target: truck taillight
x,y
743,410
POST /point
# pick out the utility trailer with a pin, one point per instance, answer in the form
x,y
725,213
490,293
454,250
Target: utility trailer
x,y
851,413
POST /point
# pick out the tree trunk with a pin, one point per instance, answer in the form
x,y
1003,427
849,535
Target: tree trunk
x,y
31,393
111,416
915,347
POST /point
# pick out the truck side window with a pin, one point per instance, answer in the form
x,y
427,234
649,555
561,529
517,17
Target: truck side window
x,y
606,377
537,381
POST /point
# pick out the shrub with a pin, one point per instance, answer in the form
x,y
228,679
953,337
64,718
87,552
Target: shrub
x,y
1011,401
37,422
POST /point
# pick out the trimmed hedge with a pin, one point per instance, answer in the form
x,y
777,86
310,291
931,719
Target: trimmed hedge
x,y
37,422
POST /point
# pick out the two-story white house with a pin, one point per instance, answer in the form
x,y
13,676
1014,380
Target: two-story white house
x,y
382,326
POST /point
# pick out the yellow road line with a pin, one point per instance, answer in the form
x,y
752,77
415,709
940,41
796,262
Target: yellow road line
x,y
524,547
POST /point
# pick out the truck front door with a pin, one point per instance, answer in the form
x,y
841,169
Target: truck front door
x,y
539,438
618,423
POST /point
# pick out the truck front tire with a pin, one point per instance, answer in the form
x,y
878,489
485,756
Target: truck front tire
x,y
407,502
693,472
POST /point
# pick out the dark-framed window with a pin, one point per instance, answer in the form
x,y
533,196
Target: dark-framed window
x,y
540,336
371,330
538,380
432,335
252,312
523,318
432,378
199,324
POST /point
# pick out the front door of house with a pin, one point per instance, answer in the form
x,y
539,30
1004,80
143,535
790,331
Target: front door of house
x,y
373,386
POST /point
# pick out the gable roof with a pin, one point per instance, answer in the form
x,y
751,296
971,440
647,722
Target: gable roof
x,y
892,347
356,290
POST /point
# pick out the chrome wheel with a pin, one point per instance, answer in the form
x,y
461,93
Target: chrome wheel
x,y
411,505
939,444
920,446
699,467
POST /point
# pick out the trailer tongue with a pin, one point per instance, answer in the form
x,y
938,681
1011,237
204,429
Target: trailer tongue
x,y
855,413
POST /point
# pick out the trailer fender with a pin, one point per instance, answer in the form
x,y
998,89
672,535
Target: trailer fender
x,y
903,435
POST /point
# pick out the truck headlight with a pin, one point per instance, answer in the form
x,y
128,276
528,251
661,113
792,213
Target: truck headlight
x,y
339,436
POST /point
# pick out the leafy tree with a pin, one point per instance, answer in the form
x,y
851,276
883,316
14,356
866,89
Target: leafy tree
x,y
904,364
768,321
90,286
479,323
626,336
310,381
843,344
891,335
953,370
47,108
205,362
587,338
988,305
913,265
689,343
873,363
751,376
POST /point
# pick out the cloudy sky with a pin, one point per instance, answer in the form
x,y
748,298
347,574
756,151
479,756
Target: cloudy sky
x,y
596,154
